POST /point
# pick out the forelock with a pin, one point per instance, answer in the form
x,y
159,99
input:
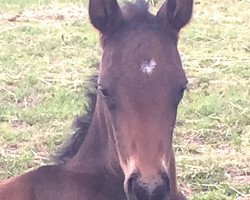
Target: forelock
x,y
136,11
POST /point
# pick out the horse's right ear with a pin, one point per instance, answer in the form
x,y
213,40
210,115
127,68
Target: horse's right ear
x,y
104,14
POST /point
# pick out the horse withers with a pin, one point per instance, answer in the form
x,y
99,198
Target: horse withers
x,y
124,150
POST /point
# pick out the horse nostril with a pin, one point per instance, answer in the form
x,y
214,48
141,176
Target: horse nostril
x,y
162,191
130,182
166,181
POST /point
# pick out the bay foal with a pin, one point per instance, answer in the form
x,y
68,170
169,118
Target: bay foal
x,y
127,152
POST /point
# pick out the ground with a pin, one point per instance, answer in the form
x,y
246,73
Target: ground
x,y
48,51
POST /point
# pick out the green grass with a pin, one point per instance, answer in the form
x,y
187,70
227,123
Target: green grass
x,y
45,65
18,6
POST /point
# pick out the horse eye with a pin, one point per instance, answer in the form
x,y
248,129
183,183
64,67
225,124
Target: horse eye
x,y
108,98
104,92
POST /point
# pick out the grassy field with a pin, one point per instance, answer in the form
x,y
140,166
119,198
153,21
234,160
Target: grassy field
x,y
48,51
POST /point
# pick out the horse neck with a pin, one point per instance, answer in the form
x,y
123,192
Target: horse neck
x,y
97,153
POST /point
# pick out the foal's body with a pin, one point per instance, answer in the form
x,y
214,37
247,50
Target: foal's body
x,y
127,153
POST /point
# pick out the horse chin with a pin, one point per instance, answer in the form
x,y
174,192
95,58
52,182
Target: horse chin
x,y
166,198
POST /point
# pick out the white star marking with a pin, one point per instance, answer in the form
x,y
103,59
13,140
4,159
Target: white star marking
x,y
148,66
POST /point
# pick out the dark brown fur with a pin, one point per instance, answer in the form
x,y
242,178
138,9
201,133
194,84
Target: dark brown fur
x,y
123,149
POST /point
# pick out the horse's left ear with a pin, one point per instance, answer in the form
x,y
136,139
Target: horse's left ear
x,y
175,13
104,14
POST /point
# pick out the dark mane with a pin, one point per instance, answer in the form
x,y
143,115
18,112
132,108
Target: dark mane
x,y
80,125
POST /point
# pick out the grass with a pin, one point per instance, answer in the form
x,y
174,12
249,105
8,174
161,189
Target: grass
x,y
45,65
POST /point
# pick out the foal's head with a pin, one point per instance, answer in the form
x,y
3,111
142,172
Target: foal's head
x,y
141,83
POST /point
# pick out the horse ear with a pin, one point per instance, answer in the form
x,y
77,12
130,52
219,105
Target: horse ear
x,y
104,14
175,13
